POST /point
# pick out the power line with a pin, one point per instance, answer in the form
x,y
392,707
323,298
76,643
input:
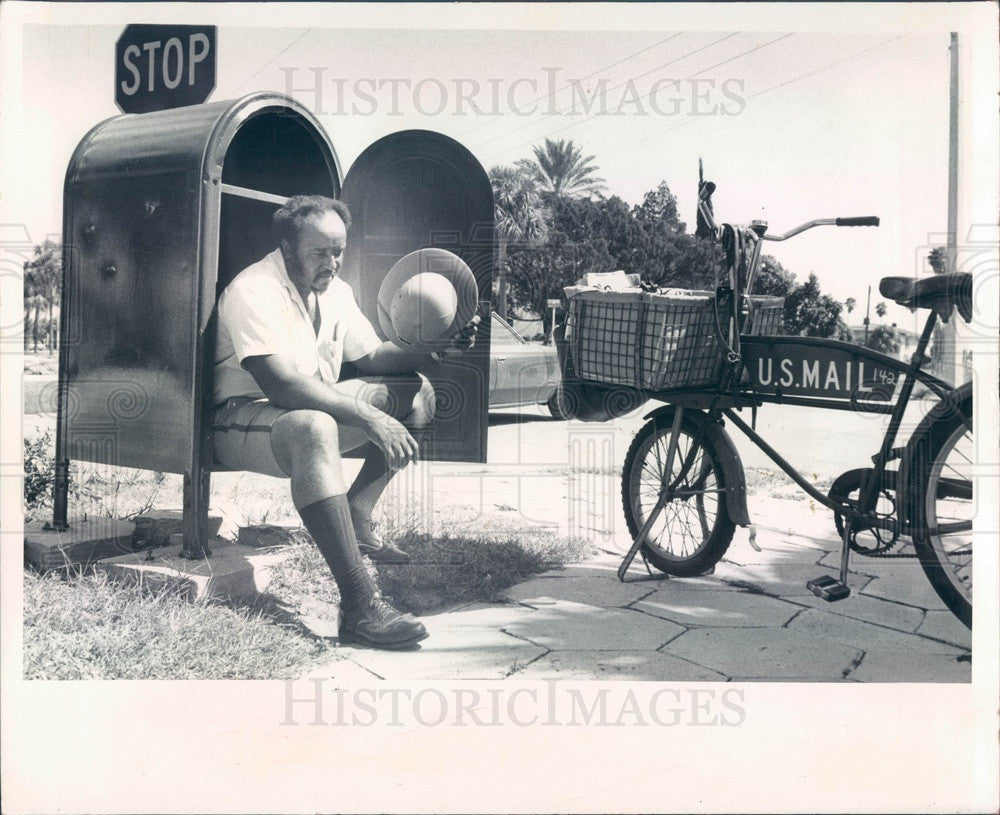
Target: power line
x,y
616,87
785,83
272,59
570,84
685,79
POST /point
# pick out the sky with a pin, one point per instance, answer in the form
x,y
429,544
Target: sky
x,y
792,123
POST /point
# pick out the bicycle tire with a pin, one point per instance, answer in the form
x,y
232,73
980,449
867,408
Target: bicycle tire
x,y
943,483
673,546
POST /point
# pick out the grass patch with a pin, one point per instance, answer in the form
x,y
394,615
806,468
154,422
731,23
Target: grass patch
x,y
476,560
87,627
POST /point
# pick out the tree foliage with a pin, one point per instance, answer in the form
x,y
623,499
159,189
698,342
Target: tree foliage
x,y
886,339
658,210
561,169
585,232
773,278
519,217
42,290
938,260
810,313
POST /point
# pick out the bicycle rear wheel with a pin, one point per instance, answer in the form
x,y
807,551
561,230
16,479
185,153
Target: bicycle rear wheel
x,y
693,530
943,537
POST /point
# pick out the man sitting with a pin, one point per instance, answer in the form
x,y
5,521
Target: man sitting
x,y
285,325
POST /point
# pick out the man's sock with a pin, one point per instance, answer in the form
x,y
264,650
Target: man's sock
x,y
329,522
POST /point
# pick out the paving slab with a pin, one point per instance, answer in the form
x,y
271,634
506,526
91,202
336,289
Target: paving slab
x,y
943,625
878,666
567,626
902,580
731,609
707,582
630,665
779,579
227,574
603,564
461,645
870,638
605,591
345,672
766,653
869,609
774,550
85,541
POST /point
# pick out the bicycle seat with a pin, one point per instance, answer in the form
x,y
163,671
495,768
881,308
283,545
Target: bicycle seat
x,y
942,293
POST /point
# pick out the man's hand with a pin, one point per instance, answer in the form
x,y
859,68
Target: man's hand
x,y
463,341
392,438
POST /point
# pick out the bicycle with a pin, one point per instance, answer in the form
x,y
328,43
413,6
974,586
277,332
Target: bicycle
x,y
683,484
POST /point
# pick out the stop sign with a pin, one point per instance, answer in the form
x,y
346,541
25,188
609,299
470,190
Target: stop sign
x,y
164,66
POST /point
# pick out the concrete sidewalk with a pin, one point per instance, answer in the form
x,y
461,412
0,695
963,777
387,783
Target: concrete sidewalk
x,y
753,620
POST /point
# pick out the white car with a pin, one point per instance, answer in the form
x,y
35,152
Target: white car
x,y
521,372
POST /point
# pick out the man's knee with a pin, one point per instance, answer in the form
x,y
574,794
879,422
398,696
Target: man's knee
x,y
424,403
306,433
410,397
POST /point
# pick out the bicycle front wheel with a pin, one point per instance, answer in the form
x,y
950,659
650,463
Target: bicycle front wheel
x,y
943,538
693,531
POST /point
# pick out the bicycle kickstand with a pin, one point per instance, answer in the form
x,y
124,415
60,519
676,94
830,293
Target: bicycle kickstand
x,y
661,501
832,588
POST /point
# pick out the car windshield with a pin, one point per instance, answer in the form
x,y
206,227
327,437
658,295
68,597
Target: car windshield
x,y
503,334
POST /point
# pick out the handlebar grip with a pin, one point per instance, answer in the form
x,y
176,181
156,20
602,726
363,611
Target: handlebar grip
x,y
865,220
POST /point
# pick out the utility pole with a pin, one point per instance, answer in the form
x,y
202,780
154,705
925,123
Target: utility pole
x,y
949,333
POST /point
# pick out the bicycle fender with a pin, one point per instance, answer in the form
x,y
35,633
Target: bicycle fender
x,y
914,455
729,458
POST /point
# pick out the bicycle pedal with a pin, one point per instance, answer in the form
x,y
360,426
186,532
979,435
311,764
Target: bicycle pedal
x,y
829,588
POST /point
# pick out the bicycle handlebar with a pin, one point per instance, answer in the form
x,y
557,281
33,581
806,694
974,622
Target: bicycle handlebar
x,y
866,220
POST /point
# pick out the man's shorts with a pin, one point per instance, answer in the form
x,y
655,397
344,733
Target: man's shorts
x,y
242,431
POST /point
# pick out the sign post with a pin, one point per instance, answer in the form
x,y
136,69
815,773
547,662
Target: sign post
x,y
553,304
158,67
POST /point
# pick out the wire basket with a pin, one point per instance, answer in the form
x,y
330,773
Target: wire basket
x,y
655,342
766,313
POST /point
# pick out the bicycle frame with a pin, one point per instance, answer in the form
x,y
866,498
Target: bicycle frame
x,y
807,372
860,398
811,388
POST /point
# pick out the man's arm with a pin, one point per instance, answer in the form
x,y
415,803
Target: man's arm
x,y
285,388
388,358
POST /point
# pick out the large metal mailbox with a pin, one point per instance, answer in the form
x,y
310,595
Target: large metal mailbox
x,y
161,210
412,190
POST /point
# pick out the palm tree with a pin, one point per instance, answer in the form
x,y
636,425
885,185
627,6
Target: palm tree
x,y
880,309
850,304
42,287
560,168
519,215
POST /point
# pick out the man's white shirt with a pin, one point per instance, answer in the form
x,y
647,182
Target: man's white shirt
x,y
261,313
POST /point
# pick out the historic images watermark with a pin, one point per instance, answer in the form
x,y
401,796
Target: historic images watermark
x,y
551,93
321,702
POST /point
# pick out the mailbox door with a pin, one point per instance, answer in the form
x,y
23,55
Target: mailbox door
x,y
132,298
418,189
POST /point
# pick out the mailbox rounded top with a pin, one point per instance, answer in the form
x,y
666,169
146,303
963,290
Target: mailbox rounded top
x,y
196,138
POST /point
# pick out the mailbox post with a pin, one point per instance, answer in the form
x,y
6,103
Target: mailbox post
x,y
161,211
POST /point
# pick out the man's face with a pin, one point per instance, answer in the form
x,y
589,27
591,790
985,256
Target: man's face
x,y
313,260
